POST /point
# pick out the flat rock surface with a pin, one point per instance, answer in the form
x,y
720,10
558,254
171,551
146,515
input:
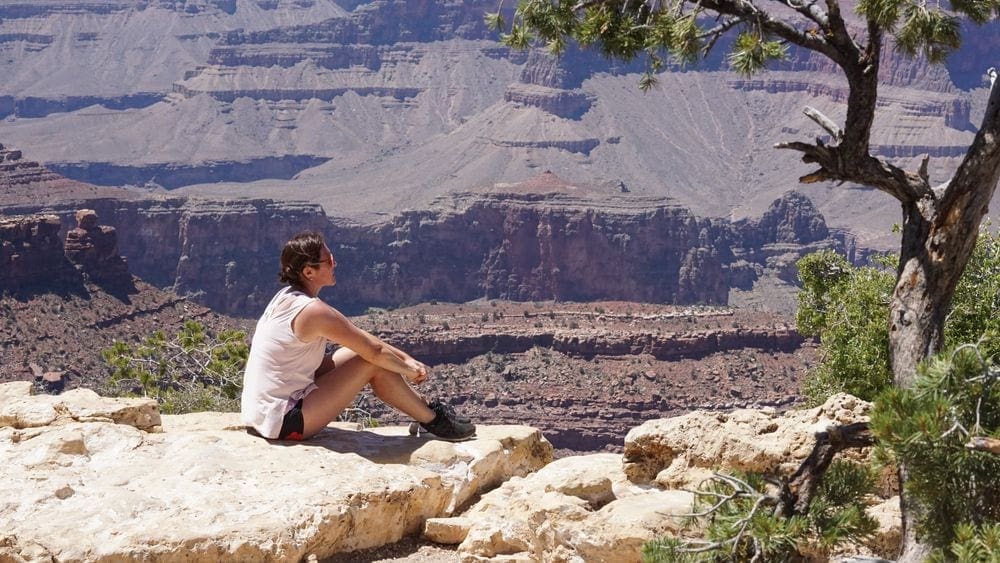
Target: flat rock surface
x,y
203,489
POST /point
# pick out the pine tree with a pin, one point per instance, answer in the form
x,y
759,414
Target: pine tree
x,y
939,224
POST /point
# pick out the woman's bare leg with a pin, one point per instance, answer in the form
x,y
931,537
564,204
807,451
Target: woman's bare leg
x,y
338,387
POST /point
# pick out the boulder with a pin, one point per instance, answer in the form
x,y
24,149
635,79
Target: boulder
x,y
578,508
83,480
678,452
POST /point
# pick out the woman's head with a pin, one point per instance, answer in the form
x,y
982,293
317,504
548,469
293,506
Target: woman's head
x,y
304,249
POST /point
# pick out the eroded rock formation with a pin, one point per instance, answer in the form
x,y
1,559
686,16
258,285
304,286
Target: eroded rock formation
x,y
546,239
541,239
34,256
31,251
93,249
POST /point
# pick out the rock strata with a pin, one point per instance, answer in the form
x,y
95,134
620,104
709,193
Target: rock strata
x,y
547,239
540,239
31,251
84,479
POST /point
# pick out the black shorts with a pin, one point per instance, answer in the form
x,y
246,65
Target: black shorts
x,y
293,424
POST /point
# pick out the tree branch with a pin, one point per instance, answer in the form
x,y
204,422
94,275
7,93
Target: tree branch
x,y
810,10
984,444
970,190
798,492
825,122
746,10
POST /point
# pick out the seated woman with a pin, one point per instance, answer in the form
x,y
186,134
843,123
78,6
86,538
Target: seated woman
x,y
292,389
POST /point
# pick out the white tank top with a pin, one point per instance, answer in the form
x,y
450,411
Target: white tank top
x,y
281,369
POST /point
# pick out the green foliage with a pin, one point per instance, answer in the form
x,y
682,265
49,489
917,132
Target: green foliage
x,y
626,29
975,308
956,395
928,29
972,545
848,308
932,32
194,370
753,51
740,523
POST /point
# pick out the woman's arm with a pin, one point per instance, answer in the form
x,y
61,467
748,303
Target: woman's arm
x,y
320,320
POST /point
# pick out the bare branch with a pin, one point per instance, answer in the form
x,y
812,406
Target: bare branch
x,y
746,520
717,32
825,122
984,444
810,10
971,188
798,493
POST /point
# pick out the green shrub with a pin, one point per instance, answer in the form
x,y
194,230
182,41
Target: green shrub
x,y
194,370
848,308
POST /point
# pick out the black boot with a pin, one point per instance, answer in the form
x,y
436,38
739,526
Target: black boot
x,y
448,425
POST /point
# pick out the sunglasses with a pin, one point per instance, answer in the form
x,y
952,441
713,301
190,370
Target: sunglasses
x,y
328,260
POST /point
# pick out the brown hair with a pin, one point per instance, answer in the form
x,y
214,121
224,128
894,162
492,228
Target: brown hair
x,y
300,251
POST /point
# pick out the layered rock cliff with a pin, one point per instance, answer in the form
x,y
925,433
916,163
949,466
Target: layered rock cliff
x,y
372,108
64,299
542,239
547,239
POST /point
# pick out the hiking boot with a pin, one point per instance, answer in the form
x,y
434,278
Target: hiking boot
x,y
448,425
450,410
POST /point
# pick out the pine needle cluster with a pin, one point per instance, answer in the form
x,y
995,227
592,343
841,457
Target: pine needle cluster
x,y
956,396
190,371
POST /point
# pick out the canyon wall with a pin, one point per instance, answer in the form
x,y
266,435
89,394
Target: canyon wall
x,y
553,246
553,364
542,239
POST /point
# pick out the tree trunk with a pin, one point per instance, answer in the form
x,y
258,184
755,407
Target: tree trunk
x,y
938,238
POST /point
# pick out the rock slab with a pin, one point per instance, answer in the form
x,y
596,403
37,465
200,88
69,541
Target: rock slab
x,y
86,478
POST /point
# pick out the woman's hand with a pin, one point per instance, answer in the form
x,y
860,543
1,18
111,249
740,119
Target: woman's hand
x,y
418,371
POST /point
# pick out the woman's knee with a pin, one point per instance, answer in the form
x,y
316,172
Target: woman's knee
x,y
382,376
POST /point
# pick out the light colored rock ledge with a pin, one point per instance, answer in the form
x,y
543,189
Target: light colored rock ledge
x,y
80,482
86,478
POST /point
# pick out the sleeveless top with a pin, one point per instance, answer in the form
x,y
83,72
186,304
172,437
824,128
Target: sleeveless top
x,y
281,369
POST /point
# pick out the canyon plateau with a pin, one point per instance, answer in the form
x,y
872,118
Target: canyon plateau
x,y
372,108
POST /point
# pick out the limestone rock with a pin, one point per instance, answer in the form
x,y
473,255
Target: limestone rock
x,y
447,530
575,509
19,411
889,536
78,488
749,440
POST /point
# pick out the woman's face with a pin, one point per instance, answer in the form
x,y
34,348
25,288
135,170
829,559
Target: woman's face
x,y
323,271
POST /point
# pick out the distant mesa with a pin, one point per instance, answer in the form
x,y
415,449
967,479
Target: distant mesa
x,y
569,104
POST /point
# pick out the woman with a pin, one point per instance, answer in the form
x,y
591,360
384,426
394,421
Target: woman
x,y
292,389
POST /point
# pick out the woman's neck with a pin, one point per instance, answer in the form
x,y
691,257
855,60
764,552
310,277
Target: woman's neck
x,y
307,289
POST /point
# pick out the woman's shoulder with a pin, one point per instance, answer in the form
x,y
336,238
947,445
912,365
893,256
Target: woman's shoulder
x,y
288,299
